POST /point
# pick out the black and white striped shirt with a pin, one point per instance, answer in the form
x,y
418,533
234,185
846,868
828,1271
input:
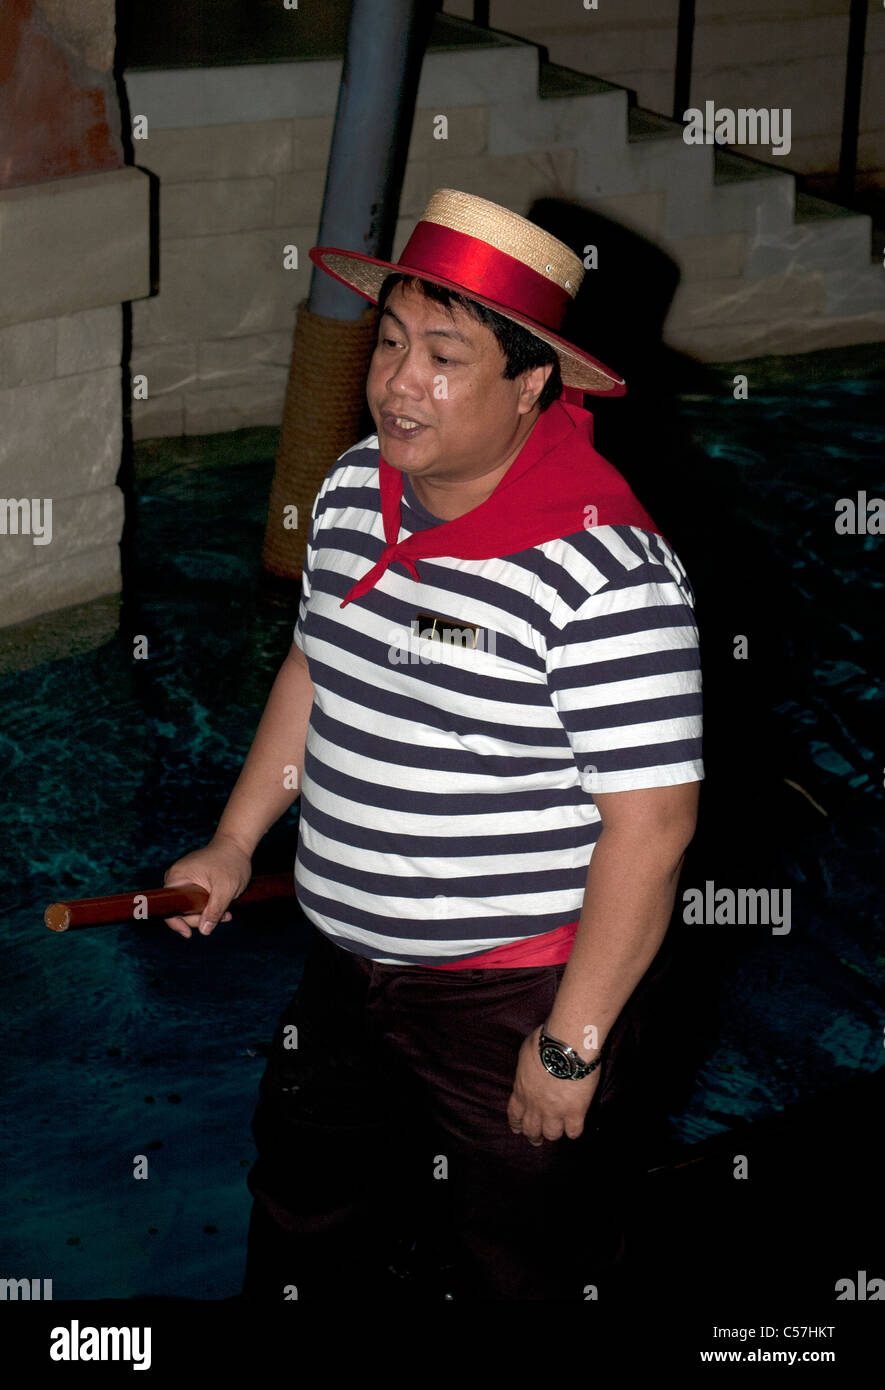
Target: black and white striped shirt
x,y
447,799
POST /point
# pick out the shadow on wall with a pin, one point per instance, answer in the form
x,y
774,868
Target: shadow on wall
x,y
619,315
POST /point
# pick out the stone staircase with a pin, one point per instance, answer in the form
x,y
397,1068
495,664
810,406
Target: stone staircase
x,y
791,272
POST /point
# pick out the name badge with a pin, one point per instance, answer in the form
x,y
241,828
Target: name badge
x,y
453,631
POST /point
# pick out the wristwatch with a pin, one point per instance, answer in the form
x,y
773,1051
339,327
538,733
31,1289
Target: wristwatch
x,y
563,1061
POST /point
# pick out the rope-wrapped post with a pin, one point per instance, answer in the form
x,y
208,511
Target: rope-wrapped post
x,y
325,395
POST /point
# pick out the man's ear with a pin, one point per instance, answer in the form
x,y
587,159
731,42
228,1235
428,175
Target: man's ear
x,y
534,379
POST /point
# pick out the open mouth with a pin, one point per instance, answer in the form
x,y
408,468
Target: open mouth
x,y
401,427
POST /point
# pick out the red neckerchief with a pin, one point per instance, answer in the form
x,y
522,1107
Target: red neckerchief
x,y
548,492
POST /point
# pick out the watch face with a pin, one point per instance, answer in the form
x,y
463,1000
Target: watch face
x,y
555,1062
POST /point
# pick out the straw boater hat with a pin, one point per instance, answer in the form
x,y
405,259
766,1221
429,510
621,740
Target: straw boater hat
x,y
493,255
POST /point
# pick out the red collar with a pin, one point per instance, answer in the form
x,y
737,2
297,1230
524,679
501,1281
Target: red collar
x,y
558,485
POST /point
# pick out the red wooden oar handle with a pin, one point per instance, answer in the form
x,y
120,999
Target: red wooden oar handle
x,y
157,902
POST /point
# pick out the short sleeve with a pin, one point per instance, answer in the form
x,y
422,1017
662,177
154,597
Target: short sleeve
x,y
624,676
306,574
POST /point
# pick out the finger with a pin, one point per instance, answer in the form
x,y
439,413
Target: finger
x,y
188,923
179,925
186,926
531,1132
214,911
192,920
515,1111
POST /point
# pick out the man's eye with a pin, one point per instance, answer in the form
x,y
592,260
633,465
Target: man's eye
x,y
388,342
445,360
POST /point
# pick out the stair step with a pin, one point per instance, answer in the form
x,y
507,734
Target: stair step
x,y
811,209
649,125
556,81
730,167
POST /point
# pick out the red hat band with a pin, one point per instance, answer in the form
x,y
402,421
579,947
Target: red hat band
x,y
484,270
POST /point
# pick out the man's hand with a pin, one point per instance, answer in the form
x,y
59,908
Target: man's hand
x,y
542,1106
223,868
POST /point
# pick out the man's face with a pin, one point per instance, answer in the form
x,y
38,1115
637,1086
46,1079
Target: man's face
x,y
437,393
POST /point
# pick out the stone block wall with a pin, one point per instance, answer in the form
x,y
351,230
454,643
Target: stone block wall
x,y
74,230
60,455
214,344
74,249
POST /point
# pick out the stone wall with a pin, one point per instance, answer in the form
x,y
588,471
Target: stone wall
x,y
60,454
751,53
74,226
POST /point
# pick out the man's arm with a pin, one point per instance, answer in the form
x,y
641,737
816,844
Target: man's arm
x,y
260,795
628,901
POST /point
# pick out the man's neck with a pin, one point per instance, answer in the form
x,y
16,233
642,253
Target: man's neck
x,y
449,500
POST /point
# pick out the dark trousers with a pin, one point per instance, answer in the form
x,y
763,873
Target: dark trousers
x,y
382,1115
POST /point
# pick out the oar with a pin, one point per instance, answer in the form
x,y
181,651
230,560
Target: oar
x,y
157,902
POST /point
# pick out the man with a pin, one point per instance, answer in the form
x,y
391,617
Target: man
x,y
493,706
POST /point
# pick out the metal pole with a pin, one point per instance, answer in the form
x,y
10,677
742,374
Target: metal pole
x,y
684,44
373,126
857,25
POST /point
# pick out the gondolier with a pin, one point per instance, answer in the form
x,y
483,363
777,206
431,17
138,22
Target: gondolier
x,y
492,703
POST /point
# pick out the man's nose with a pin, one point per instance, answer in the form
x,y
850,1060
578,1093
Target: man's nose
x,y
406,379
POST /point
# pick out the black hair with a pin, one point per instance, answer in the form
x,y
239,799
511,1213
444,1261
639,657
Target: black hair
x,y
521,348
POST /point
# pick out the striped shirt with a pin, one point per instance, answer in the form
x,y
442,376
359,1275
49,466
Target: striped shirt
x,y
447,800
